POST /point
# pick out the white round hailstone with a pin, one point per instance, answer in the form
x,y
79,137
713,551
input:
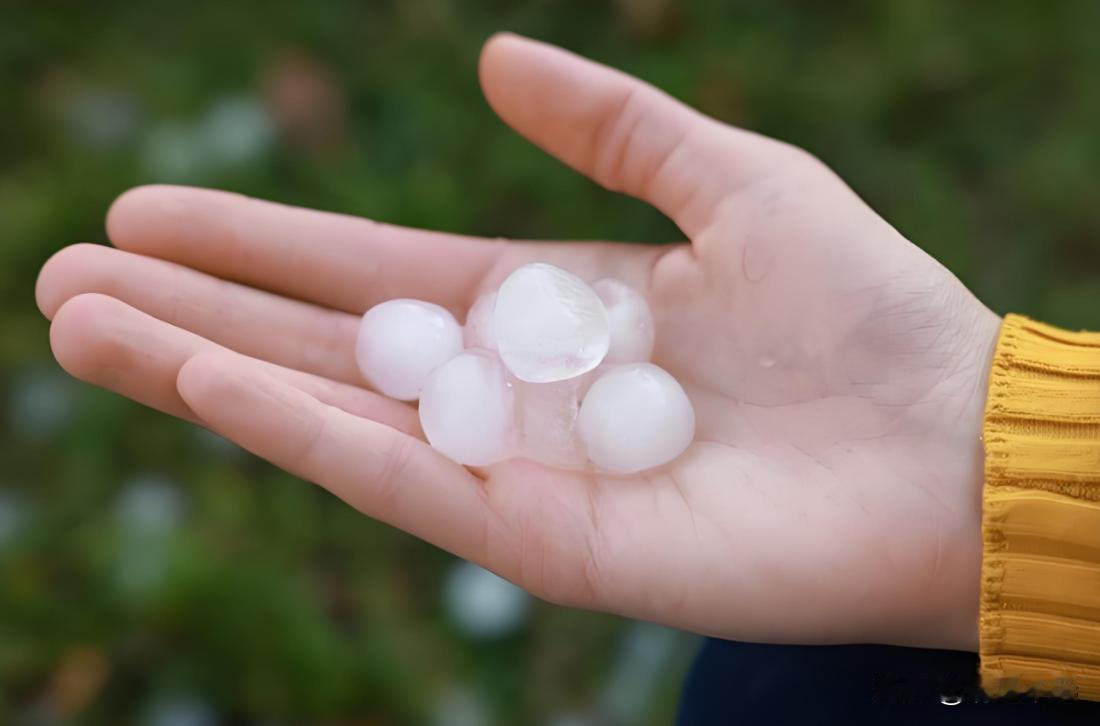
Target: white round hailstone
x,y
479,330
550,325
402,341
482,604
635,417
467,409
630,319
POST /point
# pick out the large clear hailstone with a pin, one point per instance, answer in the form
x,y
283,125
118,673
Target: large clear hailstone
x,y
402,341
630,319
635,417
467,409
550,326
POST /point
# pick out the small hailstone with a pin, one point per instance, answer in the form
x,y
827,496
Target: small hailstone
x,y
547,418
402,341
467,409
550,325
635,417
479,330
630,320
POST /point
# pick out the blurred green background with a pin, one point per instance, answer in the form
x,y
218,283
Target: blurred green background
x,y
151,573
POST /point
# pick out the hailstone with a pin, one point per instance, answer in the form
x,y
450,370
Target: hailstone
x,y
547,421
631,322
479,331
467,409
549,324
545,368
402,341
634,417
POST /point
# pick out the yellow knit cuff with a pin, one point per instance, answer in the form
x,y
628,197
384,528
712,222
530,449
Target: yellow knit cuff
x,y
1040,606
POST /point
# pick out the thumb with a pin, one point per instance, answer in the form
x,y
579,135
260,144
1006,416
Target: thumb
x,y
623,133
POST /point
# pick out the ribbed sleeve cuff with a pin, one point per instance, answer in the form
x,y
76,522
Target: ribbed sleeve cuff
x,y
1040,606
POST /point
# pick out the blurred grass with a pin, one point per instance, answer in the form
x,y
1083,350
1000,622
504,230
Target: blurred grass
x,y
971,127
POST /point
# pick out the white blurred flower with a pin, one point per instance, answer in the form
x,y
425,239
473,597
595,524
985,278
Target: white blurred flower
x,y
172,152
483,605
41,402
101,118
140,566
236,130
149,509
150,504
217,445
646,655
13,517
180,711
573,719
461,707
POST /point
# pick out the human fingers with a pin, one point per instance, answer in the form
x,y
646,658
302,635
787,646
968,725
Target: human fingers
x,y
110,344
257,323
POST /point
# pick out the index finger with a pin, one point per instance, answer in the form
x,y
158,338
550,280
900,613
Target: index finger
x,y
339,261
336,260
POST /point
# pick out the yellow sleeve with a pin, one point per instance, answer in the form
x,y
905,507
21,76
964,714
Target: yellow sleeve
x,y
1040,606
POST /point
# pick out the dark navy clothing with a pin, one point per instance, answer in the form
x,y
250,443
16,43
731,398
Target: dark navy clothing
x,y
745,683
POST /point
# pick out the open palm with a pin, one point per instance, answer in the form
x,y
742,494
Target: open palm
x,y
833,491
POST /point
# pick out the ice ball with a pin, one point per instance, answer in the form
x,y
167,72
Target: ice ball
x,y
631,322
549,324
402,341
480,331
547,418
467,409
635,417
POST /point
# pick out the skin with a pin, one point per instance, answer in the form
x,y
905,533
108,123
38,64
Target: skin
x,y
838,373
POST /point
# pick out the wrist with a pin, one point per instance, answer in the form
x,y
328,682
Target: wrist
x,y
949,619
987,331
1039,603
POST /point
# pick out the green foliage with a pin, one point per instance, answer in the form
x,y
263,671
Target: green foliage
x,y
971,127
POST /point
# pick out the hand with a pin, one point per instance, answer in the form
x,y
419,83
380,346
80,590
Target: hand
x,y
838,373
